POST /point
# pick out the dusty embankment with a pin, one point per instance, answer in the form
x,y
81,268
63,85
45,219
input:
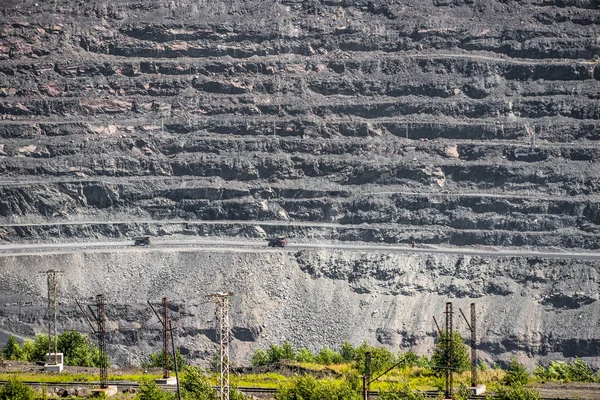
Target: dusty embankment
x,y
531,307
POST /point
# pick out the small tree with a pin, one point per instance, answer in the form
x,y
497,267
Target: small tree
x,y
516,392
151,391
462,393
157,360
305,355
195,385
400,392
327,356
517,374
347,351
16,390
308,388
460,359
381,359
12,350
37,351
275,354
259,357
78,350
579,371
409,358
287,351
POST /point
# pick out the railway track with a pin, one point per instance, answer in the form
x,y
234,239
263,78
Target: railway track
x,y
125,385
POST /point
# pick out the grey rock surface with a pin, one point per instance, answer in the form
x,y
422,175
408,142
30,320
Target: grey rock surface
x,y
443,123
537,309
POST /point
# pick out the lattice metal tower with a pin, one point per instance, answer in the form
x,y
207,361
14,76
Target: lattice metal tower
x,y
473,346
52,340
165,321
450,350
223,332
101,331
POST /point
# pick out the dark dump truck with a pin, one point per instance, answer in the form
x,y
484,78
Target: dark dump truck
x,y
142,241
278,241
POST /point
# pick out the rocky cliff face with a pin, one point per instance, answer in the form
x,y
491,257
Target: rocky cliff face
x,y
444,122
527,306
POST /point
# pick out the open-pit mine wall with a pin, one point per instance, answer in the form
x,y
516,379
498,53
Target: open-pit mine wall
x,y
443,123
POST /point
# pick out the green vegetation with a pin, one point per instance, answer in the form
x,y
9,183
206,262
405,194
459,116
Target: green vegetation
x,y
575,371
400,392
517,374
12,350
151,391
342,369
516,392
16,390
460,353
195,385
76,347
309,388
157,360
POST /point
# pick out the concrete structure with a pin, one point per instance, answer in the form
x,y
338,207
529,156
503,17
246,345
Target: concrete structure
x,y
54,362
478,390
166,381
107,391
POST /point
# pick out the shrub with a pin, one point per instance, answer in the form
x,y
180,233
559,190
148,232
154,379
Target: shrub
x,y
305,355
38,349
78,350
381,359
235,394
460,353
287,351
410,358
516,374
580,372
16,390
151,391
308,388
401,392
259,357
576,371
275,354
540,372
12,350
516,392
327,357
347,351
195,385
559,371
462,392
157,360
423,362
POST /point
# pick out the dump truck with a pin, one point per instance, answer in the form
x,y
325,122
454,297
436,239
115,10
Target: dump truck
x,y
278,241
142,241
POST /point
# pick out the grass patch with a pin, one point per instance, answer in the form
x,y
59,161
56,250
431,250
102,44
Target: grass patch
x,y
69,377
269,380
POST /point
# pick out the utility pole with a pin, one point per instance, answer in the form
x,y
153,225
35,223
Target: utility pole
x,y
100,316
367,376
100,331
175,362
223,330
449,350
166,328
53,360
164,320
165,336
472,327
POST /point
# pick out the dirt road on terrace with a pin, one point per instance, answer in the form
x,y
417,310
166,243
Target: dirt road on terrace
x,y
259,245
